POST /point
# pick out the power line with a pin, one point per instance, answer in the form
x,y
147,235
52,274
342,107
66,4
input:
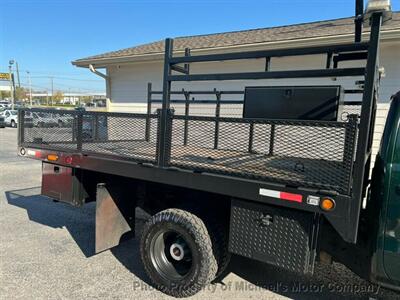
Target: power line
x,y
50,73
65,78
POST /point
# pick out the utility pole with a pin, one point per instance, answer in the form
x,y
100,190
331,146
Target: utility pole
x,y
12,87
52,90
30,87
19,82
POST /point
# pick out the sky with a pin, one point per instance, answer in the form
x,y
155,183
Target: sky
x,y
44,36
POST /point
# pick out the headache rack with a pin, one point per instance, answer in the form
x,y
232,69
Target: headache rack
x,y
325,157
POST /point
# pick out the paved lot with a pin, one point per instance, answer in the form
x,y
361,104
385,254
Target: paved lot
x,y
47,252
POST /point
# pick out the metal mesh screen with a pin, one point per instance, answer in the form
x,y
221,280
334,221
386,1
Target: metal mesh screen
x,y
50,129
117,134
313,154
297,153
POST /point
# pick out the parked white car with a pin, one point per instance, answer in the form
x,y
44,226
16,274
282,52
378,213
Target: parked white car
x,y
11,118
4,106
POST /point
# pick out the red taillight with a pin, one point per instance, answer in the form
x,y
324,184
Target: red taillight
x,y
68,160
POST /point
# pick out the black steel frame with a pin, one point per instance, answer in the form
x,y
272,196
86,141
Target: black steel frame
x,y
346,215
219,102
347,227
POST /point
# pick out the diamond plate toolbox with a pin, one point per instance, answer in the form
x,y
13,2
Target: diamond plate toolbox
x,y
279,236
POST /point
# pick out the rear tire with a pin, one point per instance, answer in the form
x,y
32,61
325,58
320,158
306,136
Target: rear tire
x,y
177,253
13,124
219,238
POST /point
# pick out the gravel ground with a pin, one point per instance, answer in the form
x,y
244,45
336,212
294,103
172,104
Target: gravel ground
x,y
47,252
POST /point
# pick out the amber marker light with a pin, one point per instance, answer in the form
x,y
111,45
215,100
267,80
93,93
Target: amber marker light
x,y
327,204
52,157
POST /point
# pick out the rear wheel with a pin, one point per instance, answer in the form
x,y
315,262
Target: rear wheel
x,y
219,238
13,124
177,252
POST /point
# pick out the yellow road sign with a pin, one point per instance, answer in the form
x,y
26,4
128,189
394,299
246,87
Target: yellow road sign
x,y
4,76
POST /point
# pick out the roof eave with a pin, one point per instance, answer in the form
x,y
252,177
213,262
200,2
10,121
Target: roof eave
x,y
392,34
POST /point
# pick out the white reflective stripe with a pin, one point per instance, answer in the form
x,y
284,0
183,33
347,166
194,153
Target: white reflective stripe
x,y
31,152
313,200
270,193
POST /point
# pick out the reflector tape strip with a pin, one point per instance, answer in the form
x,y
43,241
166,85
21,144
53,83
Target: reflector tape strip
x,y
291,197
270,193
281,195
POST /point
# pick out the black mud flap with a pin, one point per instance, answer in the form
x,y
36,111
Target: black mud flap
x,y
279,236
115,216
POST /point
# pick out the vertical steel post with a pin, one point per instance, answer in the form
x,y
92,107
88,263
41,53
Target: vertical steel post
x,y
165,113
267,64
217,115
186,124
359,9
366,122
21,126
348,151
79,131
251,137
329,56
96,127
148,121
272,140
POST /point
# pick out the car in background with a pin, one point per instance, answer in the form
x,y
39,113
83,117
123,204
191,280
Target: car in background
x,y
5,103
2,122
11,118
80,108
45,119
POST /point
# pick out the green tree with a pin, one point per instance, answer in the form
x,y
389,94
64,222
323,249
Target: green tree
x,y
21,93
58,96
5,94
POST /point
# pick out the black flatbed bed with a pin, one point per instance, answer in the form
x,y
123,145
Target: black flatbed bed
x,y
237,157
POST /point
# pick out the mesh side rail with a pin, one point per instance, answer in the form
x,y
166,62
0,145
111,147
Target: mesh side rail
x,y
50,129
316,154
120,134
117,134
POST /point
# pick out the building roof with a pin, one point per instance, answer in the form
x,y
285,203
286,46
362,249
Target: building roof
x,y
302,31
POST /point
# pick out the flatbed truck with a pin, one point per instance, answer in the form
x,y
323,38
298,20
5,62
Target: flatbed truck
x,y
286,184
